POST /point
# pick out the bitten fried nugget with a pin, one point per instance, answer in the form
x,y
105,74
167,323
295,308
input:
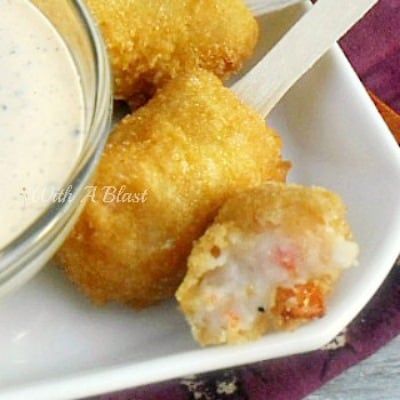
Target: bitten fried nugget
x,y
152,41
267,263
190,148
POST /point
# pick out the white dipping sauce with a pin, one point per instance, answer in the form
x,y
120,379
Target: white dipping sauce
x,y
41,115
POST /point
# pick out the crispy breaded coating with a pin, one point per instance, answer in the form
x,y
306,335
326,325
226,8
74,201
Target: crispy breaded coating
x,y
189,149
152,41
267,263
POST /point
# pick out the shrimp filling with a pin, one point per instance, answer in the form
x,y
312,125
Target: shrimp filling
x,y
258,274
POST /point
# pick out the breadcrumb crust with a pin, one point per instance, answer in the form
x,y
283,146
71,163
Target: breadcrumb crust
x,y
293,210
191,147
153,41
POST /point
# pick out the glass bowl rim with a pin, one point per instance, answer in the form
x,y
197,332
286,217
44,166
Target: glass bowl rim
x,y
29,243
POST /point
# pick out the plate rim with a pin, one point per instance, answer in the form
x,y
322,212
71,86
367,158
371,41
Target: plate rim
x,y
130,375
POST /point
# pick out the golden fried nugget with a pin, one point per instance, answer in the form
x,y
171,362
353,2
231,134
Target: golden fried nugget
x,y
189,149
267,263
152,41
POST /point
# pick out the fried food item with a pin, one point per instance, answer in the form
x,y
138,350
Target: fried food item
x,y
189,149
152,41
267,263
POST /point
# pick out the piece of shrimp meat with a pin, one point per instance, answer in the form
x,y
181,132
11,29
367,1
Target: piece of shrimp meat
x,y
267,263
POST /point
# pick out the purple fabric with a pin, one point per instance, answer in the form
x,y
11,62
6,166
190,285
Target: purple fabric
x,y
373,47
293,377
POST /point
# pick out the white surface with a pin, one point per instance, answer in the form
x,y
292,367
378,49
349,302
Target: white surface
x,y
55,345
373,379
297,51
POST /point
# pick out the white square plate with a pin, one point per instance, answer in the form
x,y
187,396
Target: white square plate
x,y
55,345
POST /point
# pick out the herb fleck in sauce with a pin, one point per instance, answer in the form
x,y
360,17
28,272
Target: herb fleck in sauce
x,y
41,115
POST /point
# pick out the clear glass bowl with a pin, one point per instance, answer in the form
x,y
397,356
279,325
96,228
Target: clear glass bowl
x,y
27,253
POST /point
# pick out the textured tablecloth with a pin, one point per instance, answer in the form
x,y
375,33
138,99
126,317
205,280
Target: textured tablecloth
x,y
373,48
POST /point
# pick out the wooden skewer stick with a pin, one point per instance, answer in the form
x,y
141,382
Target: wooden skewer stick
x,y
261,7
301,47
